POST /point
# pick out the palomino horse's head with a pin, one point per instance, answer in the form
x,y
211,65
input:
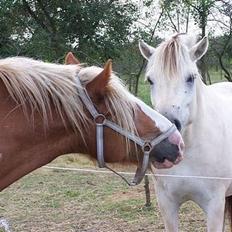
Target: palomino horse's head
x,y
43,115
112,100
173,75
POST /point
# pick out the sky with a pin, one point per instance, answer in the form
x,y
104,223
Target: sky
x,y
148,16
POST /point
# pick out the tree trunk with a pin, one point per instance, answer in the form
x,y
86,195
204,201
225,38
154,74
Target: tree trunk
x,y
203,69
227,72
138,76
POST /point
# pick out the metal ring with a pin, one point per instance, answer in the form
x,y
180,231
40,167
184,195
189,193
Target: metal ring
x,y
100,119
147,147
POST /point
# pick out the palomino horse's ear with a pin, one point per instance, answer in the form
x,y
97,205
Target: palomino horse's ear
x,y
199,49
71,59
99,83
145,49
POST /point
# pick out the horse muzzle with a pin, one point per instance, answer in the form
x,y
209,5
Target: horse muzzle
x,y
168,152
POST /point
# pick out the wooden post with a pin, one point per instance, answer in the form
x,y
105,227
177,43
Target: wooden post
x,y
147,192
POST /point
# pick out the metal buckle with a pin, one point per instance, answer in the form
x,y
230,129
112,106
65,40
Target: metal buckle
x,y
100,119
147,147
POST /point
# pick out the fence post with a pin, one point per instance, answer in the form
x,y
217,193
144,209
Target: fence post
x,y
147,192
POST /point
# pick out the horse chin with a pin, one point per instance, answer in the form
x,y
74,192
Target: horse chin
x,y
166,163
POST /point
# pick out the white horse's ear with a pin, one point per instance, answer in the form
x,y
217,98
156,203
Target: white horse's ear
x,y
145,49
199,49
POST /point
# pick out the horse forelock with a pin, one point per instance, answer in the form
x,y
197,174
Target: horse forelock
x,y
170,58
39,86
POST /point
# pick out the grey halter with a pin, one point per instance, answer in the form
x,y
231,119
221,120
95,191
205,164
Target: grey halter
x,y
101,121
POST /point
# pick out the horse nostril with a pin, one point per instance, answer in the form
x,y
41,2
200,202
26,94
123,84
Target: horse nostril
x,y
178,124
164,150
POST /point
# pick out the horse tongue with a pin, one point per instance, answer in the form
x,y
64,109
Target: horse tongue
x,y
165,164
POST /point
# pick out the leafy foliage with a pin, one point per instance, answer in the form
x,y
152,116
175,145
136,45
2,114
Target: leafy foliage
x,y
48,29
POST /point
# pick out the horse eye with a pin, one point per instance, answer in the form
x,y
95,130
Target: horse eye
x,y
149,81
190,79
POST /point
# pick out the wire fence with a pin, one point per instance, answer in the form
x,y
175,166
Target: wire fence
x,y
131,173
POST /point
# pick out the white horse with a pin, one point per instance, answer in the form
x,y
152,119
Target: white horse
x,y
203,114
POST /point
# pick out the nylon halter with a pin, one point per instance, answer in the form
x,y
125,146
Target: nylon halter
x,y
101,122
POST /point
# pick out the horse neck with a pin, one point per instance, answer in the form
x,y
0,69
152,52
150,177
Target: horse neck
x,y
26,145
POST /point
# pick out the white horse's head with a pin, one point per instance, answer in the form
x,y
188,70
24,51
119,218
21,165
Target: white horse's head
x,y
173,75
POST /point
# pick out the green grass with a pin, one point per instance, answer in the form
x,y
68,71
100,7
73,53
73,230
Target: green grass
x,y
216,76
68,201
144,91
58,201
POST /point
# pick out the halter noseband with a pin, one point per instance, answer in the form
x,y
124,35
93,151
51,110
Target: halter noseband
x,y
101,121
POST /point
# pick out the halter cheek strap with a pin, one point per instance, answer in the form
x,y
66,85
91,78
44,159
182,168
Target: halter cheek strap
x,y
101,122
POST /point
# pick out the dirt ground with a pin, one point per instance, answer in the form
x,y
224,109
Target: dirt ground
x,y
69,201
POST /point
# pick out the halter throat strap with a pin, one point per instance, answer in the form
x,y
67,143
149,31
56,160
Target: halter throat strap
x,y
101,122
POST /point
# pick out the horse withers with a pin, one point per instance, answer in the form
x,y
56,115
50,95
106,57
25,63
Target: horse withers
x,y
45,112
203,115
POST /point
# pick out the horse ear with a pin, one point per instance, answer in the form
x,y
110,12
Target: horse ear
x,y
99,83
145,49
199,49
71,59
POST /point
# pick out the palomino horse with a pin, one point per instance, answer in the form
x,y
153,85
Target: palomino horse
x,y
203,115
47,110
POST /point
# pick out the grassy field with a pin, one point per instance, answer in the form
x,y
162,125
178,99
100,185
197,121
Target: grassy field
x,y
68,201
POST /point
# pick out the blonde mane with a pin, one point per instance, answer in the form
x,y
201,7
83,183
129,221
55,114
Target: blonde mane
x,y
39,86
171,57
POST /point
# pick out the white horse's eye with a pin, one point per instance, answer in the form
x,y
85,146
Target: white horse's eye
x,y
150,81
190,79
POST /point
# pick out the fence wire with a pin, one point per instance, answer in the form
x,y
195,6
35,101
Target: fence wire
x,y
131,173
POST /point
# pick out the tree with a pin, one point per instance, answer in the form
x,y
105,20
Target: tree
x,y
48,29
223,44
200,9
179,13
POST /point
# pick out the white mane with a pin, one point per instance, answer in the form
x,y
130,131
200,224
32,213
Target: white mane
x,y
171,57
